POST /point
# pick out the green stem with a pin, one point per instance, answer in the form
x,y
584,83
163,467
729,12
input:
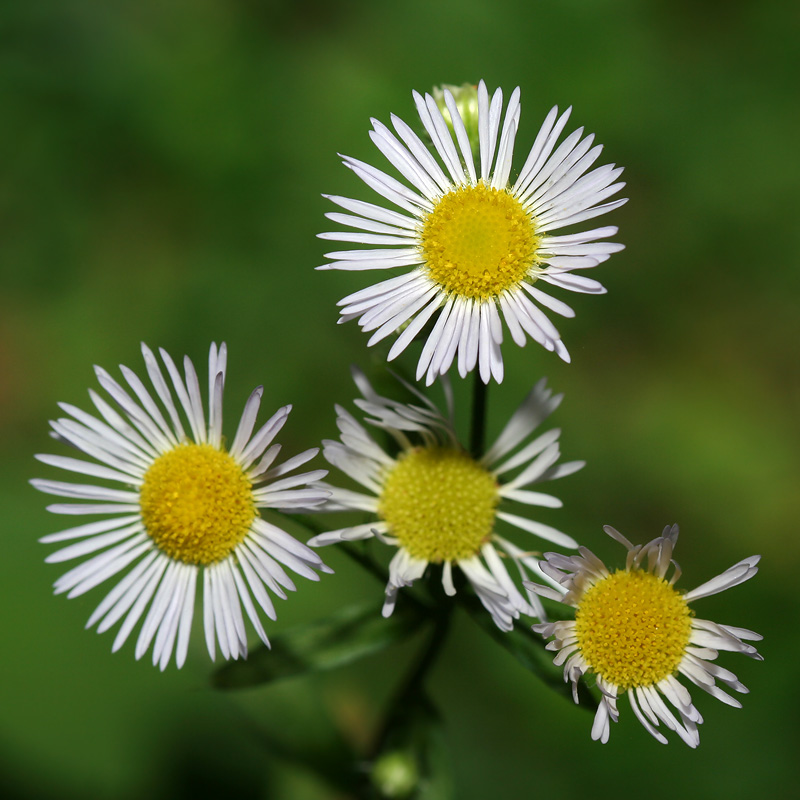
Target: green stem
x,y
411,689
478,425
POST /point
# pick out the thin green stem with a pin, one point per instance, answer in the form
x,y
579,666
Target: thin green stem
x,y
411,689
478,424
415,679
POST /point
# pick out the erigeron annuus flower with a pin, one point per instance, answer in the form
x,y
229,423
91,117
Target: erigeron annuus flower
x,y
188,508
474,245
636,633
438,505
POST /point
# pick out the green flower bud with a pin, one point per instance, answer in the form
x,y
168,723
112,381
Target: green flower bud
x,y
395,775
466,97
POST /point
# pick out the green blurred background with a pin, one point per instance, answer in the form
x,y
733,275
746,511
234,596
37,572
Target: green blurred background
x,y
162,165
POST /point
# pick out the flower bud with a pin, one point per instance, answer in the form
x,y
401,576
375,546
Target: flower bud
x,y
395,775
466,97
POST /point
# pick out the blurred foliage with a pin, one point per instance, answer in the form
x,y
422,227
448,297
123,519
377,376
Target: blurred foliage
x,y
161,177
350,634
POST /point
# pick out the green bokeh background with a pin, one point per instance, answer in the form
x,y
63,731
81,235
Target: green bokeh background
x,y
162,165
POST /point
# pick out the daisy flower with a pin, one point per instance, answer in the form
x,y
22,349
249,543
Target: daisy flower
x,y
437,505
636,633
188,509
475,247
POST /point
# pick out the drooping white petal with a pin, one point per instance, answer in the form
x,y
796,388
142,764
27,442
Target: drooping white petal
x,y
733,576
649,701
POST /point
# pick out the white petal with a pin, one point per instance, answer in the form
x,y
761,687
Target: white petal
x,y
539,529
146,592
733,576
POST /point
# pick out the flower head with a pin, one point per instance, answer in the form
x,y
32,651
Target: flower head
x,y
474,246
189,507
436,504
636,633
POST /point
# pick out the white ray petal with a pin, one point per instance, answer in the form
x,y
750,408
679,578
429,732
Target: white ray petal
x,y
142,599
461,134
123,595
185,621
374,212
162,390
131,476
89,529
545,532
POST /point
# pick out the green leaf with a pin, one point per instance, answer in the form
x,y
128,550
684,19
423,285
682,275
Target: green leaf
x,y
346,636
528,648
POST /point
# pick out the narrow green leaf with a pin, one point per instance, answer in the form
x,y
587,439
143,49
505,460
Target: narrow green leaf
x,y
528,648
346,636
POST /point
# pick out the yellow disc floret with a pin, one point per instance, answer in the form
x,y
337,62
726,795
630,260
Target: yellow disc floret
x,y
479,241
633,628
439,503
196,503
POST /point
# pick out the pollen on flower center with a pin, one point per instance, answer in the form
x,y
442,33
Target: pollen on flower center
x,y
479,241
196,503
633,628
439,503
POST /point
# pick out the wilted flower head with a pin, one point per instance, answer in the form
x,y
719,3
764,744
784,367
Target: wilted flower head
x,y
636,633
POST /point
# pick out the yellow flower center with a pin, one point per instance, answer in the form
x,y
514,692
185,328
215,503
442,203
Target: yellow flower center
x,y
633,628
479,241
196,503
439,503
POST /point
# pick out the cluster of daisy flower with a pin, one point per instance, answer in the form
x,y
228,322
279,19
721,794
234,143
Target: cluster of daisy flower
x,y
469,248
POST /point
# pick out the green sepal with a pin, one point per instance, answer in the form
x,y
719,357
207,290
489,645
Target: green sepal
x,y
346,636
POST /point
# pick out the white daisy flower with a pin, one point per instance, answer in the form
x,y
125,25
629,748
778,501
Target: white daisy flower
x,y
475,247
188,508
636,633
438,505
